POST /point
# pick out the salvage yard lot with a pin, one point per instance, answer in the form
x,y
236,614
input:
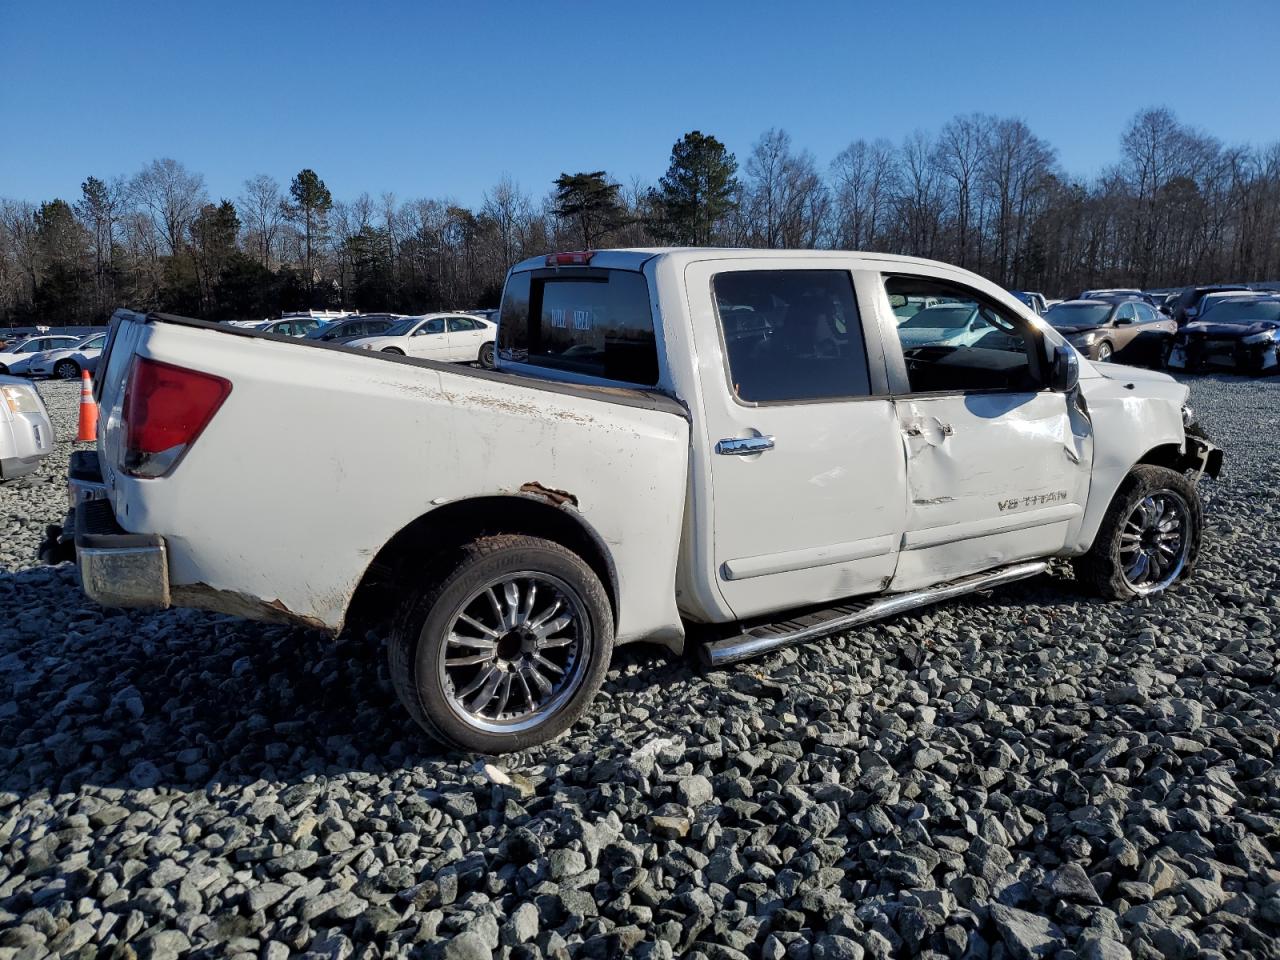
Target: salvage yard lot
x,y
1027,767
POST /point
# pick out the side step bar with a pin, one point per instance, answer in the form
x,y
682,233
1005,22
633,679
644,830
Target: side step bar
x,y
765,638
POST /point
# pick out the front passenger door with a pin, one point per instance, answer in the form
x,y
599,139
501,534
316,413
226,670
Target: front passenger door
x,y
430,340
997,465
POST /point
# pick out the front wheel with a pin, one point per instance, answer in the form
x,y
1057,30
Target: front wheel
x,y
506,648
66,370
1105,352
1149,538
393,350
486,356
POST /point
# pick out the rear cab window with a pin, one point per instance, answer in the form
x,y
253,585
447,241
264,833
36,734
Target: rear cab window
x,y
580,323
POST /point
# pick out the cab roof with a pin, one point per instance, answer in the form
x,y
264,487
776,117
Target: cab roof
x,y
634,258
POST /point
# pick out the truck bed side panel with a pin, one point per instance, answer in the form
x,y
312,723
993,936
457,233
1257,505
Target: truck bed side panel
x,y
318,457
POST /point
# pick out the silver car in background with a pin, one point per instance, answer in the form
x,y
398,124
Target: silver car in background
x,y
26,434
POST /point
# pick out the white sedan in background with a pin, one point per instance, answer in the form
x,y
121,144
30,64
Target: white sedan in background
x,y
14,359
66,364
450,337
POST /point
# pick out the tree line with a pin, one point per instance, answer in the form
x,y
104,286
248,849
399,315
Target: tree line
x,y
984,192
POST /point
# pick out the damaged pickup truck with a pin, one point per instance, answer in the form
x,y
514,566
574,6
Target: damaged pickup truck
x,y
731,438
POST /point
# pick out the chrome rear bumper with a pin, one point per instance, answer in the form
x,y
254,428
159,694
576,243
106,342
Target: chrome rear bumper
x,y
117,568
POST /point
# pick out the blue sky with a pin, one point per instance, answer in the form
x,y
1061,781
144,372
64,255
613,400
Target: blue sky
x,y
435,99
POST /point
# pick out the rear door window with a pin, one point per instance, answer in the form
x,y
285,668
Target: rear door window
x,y
591,322
791,335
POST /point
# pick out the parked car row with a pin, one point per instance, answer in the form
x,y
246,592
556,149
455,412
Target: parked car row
x,y
455,337
1231,327
52,356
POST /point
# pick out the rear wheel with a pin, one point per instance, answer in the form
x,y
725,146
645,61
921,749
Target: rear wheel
x,y
506,647
486,356
66,369
1149,538
3,369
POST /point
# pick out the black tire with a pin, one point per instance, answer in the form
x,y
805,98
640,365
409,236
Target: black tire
x,y
421,630
486,356
392,350
1101,569
1105,347
66,370
3,369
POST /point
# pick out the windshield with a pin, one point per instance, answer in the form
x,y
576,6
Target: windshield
x,y
947,317
1078,314
1242,311
402,327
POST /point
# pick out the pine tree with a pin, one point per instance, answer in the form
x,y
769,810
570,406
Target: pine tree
x,y
696,193
590,199
311,204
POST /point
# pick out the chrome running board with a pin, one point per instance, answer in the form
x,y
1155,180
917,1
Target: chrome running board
x,y
762,639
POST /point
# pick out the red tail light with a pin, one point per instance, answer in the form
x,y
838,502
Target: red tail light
x,y
574,258
165,410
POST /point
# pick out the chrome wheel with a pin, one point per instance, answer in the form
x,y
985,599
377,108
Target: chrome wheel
x,y
516,651
66,370
1104,352
1155,541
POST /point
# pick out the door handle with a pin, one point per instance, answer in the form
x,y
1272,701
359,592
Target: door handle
x,y
744,446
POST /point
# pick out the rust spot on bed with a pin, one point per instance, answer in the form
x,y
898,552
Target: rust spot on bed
x,y
557,497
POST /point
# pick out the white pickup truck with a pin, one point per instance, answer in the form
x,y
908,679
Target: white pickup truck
x,y
732,438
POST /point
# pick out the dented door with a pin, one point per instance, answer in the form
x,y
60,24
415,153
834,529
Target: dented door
x,y
992,478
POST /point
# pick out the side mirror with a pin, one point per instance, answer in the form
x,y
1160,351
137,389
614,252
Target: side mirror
x,y
1064,368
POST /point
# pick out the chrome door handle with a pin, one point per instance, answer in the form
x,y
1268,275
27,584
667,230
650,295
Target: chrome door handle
x,y
744,446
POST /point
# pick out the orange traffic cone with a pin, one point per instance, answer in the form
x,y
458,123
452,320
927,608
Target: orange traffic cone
x,y
88,432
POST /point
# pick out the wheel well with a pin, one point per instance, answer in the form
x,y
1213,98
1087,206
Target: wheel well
x,y
1166,455
454,524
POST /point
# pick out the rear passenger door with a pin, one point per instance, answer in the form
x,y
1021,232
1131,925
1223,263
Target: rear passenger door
x,y
805,469
1155,334
997,465
464,339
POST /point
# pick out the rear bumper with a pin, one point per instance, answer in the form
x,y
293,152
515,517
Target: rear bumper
x,y
117,568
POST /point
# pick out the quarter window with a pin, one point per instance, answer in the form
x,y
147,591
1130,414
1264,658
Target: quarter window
x,y
961,342
791,335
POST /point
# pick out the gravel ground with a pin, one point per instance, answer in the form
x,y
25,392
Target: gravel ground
x,y
1028,773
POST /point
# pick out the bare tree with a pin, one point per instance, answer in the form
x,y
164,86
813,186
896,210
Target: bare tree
x,y
262,210
172,196
863,181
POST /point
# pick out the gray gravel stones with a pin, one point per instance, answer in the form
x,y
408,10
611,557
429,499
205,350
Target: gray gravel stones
x,y
1029,773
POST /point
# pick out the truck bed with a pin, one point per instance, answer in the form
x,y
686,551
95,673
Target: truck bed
x,y
321,454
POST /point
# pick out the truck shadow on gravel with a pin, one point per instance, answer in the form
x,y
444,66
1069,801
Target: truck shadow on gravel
x,y
187,700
